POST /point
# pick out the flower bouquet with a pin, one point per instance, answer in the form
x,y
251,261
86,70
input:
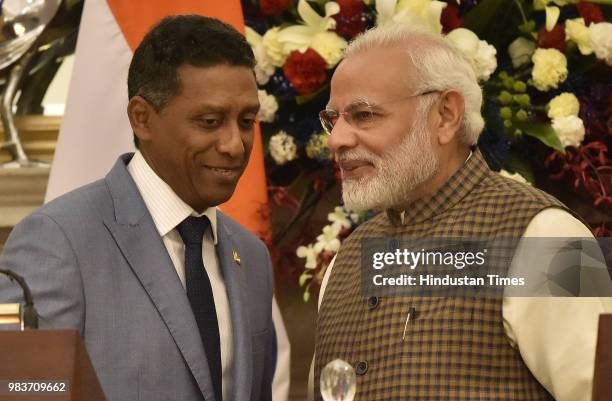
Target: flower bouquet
x,y
545,67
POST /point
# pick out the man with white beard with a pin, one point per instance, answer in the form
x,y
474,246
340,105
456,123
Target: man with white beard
x,y
404,119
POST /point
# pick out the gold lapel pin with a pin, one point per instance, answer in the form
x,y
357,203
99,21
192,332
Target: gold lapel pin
x,y
236,256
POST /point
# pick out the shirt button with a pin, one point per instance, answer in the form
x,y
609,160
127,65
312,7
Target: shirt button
x,y
361,368
372,302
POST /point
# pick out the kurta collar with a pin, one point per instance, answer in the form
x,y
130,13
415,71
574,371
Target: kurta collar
x,y
452,191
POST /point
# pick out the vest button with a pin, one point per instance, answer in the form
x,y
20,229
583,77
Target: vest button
x,y
372,302
361,368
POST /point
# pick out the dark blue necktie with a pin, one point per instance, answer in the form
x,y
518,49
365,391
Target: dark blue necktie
x,y
199,292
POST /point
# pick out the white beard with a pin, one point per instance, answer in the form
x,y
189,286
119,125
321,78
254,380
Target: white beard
x,y
398,172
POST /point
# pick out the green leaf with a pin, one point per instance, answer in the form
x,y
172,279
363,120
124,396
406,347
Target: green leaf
x,y
543,132
481,15
306,296
307,98
515,164
303,278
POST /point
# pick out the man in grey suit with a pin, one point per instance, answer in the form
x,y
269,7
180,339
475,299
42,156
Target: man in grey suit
x,y
172,297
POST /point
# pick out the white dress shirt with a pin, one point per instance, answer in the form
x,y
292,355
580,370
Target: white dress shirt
x,y
168,211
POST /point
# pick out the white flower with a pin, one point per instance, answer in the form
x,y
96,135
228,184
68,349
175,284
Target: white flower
x,y
353,216
423,13
274,47
268,106
339,218
310,253
317,146
263,67
552,15
541,4
549,68
282,148
328,240
520,51
515,177
301,37
601,41
577,32
342,218
330,46
563,105
480,53
569,129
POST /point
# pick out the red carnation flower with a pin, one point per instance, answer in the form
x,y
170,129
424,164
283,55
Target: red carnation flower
x,y
590,12
350,7
450,18
306,71
554,39
273,8
350,21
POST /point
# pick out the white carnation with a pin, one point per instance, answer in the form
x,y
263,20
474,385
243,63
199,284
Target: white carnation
x,y
570,130
549,68
274,47
480,53
601,41
565,104
516,177
520,51
263,68
485,60
330,46
268,106
282,148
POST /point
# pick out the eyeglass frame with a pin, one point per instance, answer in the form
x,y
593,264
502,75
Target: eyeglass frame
x,y
368,105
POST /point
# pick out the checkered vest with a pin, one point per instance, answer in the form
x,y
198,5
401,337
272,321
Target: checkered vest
x,y
454,348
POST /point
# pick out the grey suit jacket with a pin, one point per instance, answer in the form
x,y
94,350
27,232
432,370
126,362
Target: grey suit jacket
x,y
95,262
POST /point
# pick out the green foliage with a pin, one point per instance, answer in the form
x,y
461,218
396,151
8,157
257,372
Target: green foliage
x,y
544,133
515,164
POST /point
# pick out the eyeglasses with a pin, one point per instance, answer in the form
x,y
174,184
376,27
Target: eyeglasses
x,y
360,114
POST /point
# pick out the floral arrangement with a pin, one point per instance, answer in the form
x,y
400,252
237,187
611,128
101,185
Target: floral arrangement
x,y
545,67
320,253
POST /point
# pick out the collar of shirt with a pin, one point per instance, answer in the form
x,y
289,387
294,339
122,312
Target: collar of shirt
x,y
166,207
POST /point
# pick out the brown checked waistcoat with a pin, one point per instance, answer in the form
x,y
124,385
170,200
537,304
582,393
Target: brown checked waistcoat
x,y
454,348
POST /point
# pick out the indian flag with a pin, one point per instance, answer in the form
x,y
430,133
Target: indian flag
x,y
95,129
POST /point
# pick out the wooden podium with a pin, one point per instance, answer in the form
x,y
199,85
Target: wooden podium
x,y
602,381
40,359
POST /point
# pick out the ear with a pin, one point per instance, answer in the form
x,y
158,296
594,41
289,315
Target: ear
x,y
450,112
140,113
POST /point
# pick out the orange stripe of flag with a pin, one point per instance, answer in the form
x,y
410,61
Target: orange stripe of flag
x,y
135,18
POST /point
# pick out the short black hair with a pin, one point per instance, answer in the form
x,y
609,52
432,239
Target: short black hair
x,y
178,40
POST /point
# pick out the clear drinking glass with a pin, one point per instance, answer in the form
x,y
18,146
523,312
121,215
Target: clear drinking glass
x,y
338,381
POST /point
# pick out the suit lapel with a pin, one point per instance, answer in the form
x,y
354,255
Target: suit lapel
x,y
134,232
236,285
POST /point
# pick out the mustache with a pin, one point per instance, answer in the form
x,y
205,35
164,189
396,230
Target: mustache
x,y
356,154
